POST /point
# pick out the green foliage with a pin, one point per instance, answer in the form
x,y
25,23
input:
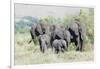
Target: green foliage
x,y
48,19
72,47
67,20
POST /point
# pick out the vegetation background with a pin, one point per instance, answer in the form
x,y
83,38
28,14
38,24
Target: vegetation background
x,y
30,53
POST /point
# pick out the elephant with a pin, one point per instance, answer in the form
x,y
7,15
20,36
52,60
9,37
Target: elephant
x,y
57,33
82,34
47,39
42,42
32,32
77,34
59,45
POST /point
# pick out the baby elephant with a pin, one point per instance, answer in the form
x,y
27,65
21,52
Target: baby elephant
x,y
42,42
59,45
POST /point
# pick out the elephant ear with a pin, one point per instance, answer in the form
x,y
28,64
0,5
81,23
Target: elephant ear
x,y
82,30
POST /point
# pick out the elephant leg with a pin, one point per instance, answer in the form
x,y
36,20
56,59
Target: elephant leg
x,y
32,36
65,48
53,49
62,50
45,48
67,44
30,41
51,42
77,48
77,43
57,51
82,45
41,49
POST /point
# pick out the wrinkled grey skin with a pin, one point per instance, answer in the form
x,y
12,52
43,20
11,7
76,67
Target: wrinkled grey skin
x,y
77,34
43,44
59,45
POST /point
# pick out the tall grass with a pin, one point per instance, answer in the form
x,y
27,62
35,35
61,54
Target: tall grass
x,y
30,53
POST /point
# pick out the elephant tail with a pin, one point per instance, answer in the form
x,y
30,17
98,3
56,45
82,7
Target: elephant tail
x,y
30,41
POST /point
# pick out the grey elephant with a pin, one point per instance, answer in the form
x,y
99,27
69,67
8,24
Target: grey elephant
x,y
77,34
59,45
42,43
57,33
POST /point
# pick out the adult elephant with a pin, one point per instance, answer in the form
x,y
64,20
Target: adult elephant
x,y
82,34
59,45
77,34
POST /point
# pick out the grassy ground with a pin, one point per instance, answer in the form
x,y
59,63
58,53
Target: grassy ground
x,y
30,54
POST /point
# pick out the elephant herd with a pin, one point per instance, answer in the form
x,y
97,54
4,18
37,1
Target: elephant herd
x,y
58,37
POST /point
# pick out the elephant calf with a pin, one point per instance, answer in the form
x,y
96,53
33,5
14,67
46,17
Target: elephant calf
x,y
42,42
59,45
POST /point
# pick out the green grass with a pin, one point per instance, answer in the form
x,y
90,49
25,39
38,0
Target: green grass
x,y
30,54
